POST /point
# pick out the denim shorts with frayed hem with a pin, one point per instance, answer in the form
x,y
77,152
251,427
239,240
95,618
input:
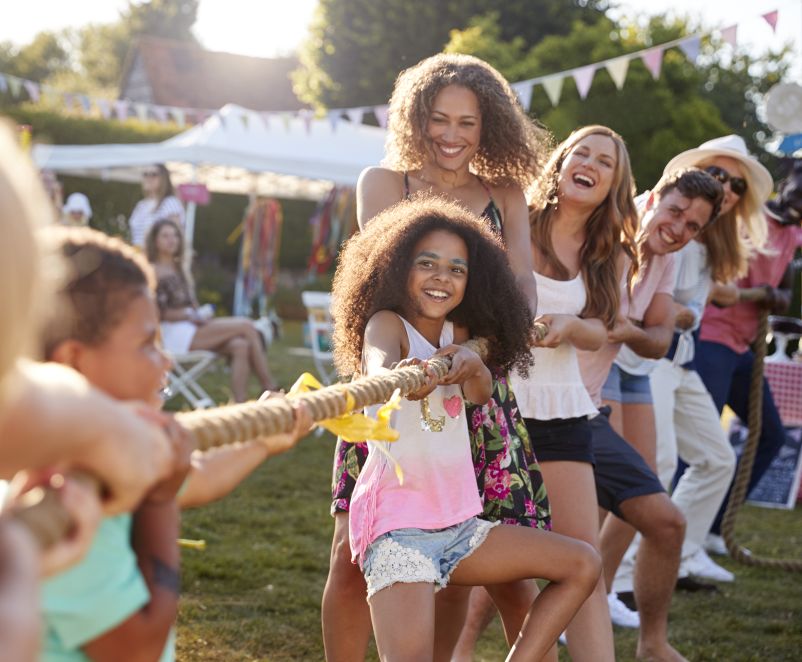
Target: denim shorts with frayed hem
x,y
626,388
421,555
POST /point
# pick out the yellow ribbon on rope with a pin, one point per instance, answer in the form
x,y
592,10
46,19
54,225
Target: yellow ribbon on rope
x,y
354,427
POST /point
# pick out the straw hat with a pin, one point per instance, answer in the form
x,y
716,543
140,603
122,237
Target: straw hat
x,y
733,147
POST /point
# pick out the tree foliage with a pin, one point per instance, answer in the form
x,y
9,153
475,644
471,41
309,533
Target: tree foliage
x,y
356,48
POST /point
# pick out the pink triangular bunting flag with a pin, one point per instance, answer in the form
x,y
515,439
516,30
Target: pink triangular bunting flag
x,y
730,35
121,107
583,77
653,59
771,19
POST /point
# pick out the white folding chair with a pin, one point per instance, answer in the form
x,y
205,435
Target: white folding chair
x,y
182,379
318,312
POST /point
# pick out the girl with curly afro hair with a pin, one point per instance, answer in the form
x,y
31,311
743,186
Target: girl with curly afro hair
x,y
455,129
422,275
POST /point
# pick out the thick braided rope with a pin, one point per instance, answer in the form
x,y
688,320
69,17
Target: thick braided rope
x,y
738,494
41,510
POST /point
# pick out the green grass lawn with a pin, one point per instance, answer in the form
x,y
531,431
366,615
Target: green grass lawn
x,y
254,593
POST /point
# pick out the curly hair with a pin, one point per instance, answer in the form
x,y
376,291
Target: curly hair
x,y
373,269
104,275
512,147
611,228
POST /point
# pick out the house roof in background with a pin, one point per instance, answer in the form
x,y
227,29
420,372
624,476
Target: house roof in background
x,y
185,75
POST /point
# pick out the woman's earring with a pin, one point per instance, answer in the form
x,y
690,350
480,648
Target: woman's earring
x,y
429,423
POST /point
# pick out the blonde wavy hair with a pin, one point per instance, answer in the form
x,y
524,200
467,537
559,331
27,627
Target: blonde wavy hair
x,y
24,269
512,147
732,239
611,228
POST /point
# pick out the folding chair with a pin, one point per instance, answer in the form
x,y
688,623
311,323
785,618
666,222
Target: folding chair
x,y
183,376
318,311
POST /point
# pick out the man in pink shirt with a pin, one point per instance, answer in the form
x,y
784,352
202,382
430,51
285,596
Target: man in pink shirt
x,y
729,327
681,204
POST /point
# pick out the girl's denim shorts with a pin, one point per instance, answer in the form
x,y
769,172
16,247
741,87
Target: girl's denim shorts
x,y
421,555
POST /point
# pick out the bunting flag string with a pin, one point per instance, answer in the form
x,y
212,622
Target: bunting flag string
x,y
552,84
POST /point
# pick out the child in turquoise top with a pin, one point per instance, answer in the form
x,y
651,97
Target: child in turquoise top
x,y
120,602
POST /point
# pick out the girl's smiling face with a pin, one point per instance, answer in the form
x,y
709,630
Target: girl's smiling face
x,y
129,363
438,276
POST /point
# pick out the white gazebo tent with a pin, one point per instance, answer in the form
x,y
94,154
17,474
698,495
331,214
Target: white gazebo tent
x,y
237,151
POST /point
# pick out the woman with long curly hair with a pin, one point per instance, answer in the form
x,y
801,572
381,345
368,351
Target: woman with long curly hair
x,y
455,129
583,222
421,277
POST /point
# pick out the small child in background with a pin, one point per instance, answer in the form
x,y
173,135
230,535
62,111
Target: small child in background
x,y
123,596
421,275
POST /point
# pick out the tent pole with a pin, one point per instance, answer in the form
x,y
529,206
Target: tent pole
x,y
189,228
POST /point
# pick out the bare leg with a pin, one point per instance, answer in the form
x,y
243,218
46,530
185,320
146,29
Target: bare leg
x,y
635,423
237,350
513,552
574,512
345,613
450,609
662,527
403,620
258,357
481,612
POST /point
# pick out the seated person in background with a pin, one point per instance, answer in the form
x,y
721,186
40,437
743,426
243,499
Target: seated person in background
x,y
185,327
77,210
159,202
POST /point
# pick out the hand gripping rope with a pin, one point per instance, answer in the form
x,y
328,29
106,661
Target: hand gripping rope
x,y
41,511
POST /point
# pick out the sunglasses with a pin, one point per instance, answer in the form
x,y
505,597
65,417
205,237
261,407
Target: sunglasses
x,y
738,185
155,173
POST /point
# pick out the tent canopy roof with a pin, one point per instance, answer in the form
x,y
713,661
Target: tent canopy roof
x,y
238,151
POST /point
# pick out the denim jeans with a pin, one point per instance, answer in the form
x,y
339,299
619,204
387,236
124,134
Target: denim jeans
x,y
726,375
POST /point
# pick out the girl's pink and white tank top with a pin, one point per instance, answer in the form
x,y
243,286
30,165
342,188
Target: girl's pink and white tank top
x,y
439,488
554,388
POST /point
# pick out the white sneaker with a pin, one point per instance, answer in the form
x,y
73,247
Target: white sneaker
x,y
620,614
562,639
714,544
701,565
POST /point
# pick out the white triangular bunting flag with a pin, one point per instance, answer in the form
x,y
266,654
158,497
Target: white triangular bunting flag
x,y
334,117
553,85
141,110
618,70
355,114
381,113
265,117
105,108
307,116
583,77
730,35
15,84
524,92
771,19
691,48
178,115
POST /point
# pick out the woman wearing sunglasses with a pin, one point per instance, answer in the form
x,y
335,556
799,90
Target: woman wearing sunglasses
x,y
686,420
159,203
